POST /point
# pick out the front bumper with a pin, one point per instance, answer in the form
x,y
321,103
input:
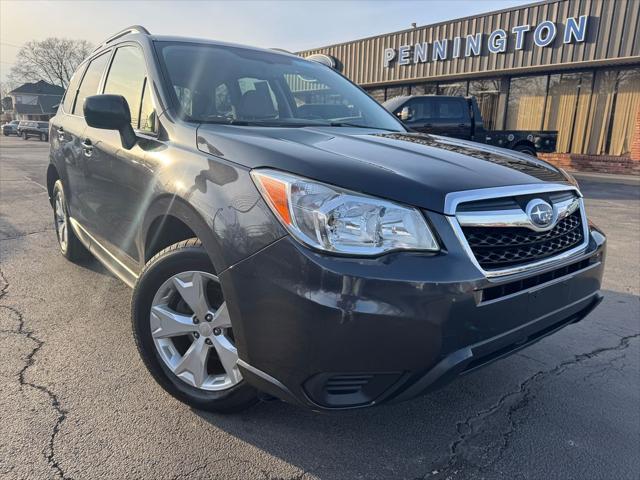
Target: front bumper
x,y
332,333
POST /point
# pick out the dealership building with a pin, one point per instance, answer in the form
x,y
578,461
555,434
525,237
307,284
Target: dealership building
x,y
571,66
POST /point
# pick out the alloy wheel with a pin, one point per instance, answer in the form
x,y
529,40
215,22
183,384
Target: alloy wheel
x,y
61,222
192,333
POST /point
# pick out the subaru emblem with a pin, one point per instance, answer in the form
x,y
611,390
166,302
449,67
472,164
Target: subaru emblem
x,y
540,213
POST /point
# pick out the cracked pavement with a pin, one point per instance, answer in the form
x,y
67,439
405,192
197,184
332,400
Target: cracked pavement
x,y
77,403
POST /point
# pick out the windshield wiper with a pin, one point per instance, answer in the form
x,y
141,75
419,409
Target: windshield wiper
x,y
223,121
347,124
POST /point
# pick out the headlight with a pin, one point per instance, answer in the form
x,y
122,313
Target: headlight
x,y
339,221
570,178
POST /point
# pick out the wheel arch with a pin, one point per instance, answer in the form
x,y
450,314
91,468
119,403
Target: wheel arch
x,y
524,143
170,219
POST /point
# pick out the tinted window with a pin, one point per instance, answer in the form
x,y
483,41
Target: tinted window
x,y
72,89
147,113
452,109
421,109
256,91
223,100
264,88
90,82
126,77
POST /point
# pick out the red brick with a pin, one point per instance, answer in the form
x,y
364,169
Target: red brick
x,y
625,164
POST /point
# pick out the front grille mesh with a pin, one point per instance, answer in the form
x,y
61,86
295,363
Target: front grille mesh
x,y
498,247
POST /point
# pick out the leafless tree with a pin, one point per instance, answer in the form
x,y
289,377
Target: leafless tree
x,y
5,87
53,60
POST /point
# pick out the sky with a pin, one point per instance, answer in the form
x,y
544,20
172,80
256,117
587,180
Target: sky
x,y
292,25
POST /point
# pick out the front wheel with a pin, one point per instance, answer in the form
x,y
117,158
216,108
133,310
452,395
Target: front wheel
x,y
184,332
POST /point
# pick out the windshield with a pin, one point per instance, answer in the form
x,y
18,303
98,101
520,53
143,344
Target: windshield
x,y
223,84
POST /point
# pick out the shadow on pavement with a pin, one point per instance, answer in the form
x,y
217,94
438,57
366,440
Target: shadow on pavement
x,y
416,438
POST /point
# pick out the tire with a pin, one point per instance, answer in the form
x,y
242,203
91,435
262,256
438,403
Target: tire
x,y
526,149
24,136
42,137
186,259
70,246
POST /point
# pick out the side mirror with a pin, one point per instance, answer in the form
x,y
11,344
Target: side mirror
x,y
405,114
110,112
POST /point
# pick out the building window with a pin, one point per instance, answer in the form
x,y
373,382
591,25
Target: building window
x,y
561,107
525,107
377,94
625,112
487,93
614,106
398,91
454,88
579,136
425,89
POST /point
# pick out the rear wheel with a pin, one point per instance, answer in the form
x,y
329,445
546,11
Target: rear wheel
x,y
184,332
526,149
70,245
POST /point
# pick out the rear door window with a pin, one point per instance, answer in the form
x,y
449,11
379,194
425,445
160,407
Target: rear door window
x,y
90,81
72,90
452,109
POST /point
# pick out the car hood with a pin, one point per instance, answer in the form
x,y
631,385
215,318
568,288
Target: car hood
x,y
412,168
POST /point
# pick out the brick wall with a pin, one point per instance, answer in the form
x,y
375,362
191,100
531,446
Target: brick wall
x,y
635,144
623,165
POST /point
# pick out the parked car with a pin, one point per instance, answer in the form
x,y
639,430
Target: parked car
x,y
10,128
34,129
460,117
21,123
333,262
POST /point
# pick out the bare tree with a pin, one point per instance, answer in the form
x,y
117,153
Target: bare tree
x,y
53,60
5,87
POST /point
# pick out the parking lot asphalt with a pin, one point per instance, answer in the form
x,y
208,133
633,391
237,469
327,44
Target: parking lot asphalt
x,y
77,402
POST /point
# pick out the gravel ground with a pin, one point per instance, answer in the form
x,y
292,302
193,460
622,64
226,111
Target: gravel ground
x,y
77,402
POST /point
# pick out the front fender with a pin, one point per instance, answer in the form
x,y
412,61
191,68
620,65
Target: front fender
x,y
216,199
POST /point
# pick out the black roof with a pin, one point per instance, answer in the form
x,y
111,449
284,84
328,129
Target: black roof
x,y
40,88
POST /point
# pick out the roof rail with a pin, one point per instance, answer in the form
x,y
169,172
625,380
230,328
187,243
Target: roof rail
x,y
122,33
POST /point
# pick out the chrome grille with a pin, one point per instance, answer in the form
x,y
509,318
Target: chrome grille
x,y
497,233
496,247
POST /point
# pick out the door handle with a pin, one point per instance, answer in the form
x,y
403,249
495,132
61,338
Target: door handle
x,y
462,124
87,147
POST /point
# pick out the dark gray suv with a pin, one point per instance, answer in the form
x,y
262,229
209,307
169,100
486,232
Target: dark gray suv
x,y
286,236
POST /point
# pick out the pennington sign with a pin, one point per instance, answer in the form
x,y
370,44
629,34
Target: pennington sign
x,y
573,31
